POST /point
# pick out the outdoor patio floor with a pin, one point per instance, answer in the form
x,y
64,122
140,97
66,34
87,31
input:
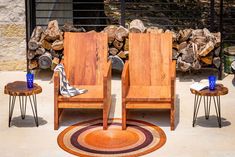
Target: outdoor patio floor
x,y
206,139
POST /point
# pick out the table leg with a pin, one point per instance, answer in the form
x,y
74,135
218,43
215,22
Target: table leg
x,y
23,102
217,109
11,108
197,102
207,105
34,108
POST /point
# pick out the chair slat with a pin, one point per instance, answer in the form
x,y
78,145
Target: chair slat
x,y
139,57
84,57
150,58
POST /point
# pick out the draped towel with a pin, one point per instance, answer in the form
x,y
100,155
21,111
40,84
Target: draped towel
x,y
65,88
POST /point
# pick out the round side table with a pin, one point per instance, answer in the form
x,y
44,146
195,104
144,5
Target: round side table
x,y
19,88
207,96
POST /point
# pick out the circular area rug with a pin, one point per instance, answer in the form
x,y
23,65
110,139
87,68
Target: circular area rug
x,y
89,139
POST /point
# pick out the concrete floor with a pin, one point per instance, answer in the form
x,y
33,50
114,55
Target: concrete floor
x,y
23,139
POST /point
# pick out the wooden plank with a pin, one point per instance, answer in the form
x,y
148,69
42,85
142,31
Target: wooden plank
x,y
156,60
56,94
107,93
102,52
84,55
149,93
125,79
125,88
87,52
150,54
139,57
173,69
173,76
147,105
124,114
167,50
94,93
107,82
160,58
88,105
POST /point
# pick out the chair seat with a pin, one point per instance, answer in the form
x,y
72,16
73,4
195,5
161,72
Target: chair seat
x,y
149,93
94,93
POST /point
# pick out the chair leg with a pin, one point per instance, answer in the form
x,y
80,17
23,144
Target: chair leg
x,y
56,116
172,116
106,110
105,119
124,116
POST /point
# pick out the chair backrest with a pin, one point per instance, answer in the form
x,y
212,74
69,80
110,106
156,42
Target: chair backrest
x,y
85,55
150,58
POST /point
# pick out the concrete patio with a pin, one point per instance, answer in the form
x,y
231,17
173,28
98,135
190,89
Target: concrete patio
x,y
23,139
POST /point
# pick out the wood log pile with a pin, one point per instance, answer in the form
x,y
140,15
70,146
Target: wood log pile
x,y
193,49
45,47
119,43
196,48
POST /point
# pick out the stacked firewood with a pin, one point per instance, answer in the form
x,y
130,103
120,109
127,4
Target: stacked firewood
x,y
45,47
118,45
198,48
193,49
118,42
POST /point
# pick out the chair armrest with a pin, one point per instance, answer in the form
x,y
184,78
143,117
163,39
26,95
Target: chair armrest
x,y
56,83
108,69
125,79
107,80
173,69
173,76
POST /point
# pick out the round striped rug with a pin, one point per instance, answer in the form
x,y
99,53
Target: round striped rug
x,y
89,139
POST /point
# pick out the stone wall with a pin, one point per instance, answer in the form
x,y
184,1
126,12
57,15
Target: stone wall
x,y
12,35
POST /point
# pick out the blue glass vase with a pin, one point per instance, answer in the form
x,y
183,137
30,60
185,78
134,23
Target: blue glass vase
x,y
30,78
212,82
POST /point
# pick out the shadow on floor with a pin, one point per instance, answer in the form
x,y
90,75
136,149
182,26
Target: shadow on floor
x,y
160,118
177,110
116,75
200,75
233,81
43,75
113,106
73,116
27,122
211,122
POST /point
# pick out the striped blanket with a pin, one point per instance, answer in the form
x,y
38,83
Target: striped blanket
x,y
65,88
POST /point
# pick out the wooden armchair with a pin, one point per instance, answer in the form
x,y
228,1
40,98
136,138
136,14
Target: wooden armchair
x,y
148,78
86,66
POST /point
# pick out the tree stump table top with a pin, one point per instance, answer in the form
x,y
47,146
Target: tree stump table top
x,y
19,88
219,90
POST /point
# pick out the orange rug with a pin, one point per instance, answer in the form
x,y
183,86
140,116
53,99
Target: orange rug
x,y
89,139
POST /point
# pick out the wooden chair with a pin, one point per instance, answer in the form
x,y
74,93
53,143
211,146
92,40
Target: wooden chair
x,y
86,66
148,78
